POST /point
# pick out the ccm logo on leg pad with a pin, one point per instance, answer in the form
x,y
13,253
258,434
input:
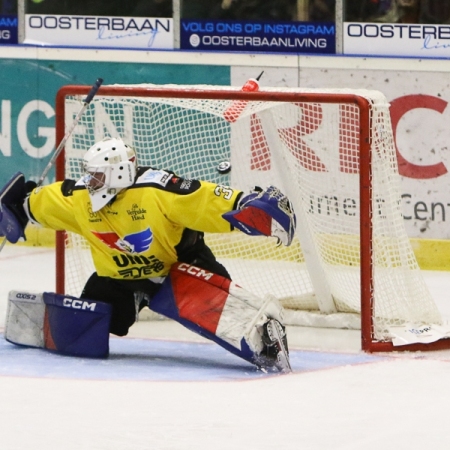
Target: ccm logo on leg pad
x,y
78,304
195,271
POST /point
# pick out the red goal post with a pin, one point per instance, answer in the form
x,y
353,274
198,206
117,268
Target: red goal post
x,y
330,151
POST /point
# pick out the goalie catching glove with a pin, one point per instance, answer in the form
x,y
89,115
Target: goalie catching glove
x,y
265,212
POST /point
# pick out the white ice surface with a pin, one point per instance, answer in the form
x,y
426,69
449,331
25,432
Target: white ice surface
x,y
395,402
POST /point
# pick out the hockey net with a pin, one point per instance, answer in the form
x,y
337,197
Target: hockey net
x,y
332,153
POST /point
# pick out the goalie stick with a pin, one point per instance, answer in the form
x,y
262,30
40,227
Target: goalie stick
x,y
62,144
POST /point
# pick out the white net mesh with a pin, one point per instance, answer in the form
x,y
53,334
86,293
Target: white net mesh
x,y
310,150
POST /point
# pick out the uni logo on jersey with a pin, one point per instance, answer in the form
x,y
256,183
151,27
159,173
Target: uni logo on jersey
x,y
133,243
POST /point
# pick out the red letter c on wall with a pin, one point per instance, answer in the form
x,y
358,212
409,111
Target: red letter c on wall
x,y
401,106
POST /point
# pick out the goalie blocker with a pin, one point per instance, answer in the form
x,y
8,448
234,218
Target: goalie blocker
x,y
13,218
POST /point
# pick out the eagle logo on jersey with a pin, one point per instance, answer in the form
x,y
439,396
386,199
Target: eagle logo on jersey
x,y
133,243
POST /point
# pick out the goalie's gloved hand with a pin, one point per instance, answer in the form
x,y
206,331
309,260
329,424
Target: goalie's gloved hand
x,y
266,212
13,218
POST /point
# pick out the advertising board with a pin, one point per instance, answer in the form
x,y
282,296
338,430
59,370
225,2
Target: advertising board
x,y
397,39
96,31
8,29
286,37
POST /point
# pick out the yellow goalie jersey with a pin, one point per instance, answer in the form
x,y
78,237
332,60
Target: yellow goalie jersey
x,y
135,236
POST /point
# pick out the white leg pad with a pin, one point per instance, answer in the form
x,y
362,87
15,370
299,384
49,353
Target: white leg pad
x,y
269,308
25,318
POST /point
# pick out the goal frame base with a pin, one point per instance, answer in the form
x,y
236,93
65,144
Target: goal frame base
x,y
370,346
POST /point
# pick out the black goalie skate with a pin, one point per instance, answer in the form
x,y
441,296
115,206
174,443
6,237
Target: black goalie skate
x,y
275,353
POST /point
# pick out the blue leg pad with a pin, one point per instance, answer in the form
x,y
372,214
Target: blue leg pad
x,y
76,327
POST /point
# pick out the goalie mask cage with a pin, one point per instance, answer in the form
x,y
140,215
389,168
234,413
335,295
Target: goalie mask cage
x,y
331,151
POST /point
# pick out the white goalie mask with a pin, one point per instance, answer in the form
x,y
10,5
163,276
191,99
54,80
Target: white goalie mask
x,y
108,166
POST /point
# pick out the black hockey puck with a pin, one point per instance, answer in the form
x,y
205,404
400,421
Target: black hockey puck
x,y
224,167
